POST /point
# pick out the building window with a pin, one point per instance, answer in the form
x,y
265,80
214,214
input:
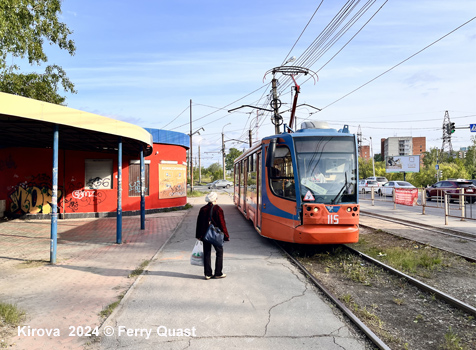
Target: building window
x,y
134,178
98,174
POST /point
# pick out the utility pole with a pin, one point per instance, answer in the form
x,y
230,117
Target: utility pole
x,y
359,140
223,153
447,131
275,102
199,166
372,153
191,150
223,149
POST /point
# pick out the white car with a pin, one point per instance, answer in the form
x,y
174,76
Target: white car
x,y
365,186
387,189
380,179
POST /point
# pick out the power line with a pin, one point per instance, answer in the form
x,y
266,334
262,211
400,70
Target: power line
x,y
297,40
398,64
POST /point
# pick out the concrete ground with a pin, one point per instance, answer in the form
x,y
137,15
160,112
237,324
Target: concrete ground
x,y
264,302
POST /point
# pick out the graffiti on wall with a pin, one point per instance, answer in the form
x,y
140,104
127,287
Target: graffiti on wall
x,y
134,187
82,197
98,182
33,197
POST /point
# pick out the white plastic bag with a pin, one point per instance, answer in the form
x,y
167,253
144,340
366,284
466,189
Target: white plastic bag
x,y
197,254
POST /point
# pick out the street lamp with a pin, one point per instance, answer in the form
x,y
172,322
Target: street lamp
x,y
191,156
223,149
371,153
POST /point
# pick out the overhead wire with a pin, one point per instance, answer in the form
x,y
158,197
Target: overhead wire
x,y
297,40
400,63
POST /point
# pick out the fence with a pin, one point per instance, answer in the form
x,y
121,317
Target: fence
x,y
465,209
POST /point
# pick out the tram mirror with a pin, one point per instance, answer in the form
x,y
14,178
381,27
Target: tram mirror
x,y
281,152
270,154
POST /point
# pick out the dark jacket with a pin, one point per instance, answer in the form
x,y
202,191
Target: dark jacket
x,y
218,219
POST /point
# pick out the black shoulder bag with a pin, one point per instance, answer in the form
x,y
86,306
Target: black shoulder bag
x,y
214,235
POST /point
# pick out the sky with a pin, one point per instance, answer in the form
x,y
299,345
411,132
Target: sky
x,y
144,62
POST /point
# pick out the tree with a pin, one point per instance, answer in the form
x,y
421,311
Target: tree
x,y
470,159
215,170
25,25
233,153
431,156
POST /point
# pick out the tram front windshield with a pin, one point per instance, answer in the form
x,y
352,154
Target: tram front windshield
x,y
327,169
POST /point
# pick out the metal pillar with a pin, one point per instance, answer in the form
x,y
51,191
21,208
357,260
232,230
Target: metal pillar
x,y
190,153
119,193
142,190
54,198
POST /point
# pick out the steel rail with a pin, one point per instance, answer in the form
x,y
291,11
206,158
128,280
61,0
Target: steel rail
x,y
455,233
367,331
423,286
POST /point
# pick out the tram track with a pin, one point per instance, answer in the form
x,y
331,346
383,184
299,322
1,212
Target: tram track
x,y
452,303
453,241
448,232
342,307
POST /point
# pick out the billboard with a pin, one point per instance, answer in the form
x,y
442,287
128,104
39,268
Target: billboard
x,y
172,181
402,164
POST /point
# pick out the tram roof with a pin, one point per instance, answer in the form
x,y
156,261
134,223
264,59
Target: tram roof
x,y
27,122
299,133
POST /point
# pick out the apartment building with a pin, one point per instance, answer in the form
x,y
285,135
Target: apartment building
x,y
403,146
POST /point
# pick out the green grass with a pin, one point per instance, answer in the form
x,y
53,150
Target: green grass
x,y
138,271
107,311
10,314
452,342
196,193
409,260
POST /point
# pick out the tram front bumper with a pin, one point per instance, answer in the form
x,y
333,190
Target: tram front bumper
x,y
326,234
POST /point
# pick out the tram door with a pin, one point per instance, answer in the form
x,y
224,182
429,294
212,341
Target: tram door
x,y
245,185
242,186
237,184
258,190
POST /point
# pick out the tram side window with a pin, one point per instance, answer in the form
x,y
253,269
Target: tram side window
x,y
281,175
252,175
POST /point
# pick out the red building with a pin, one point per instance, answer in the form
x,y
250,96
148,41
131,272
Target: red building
x,y
88,167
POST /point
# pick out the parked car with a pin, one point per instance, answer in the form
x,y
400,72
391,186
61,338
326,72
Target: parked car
x,y
387,189
220,184
365,186
380,179
437,190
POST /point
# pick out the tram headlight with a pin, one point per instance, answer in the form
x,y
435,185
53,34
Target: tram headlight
x,y
349,209
316,209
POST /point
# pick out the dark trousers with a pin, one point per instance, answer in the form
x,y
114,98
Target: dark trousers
x,y
207,259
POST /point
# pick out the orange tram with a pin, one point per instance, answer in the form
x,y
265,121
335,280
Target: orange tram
x,y
301,187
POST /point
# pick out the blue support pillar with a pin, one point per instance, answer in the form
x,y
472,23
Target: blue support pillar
x,y
54,199
142,190
119,193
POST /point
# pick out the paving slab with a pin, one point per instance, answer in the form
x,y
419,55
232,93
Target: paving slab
x,y
91,272
264,302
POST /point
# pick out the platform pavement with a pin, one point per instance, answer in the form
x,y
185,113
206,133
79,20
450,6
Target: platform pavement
x,y
263,303
434,216
91,272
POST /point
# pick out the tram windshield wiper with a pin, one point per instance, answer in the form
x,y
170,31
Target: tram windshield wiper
x,y
339,195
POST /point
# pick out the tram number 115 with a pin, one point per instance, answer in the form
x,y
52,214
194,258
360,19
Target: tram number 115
x,y
332,219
